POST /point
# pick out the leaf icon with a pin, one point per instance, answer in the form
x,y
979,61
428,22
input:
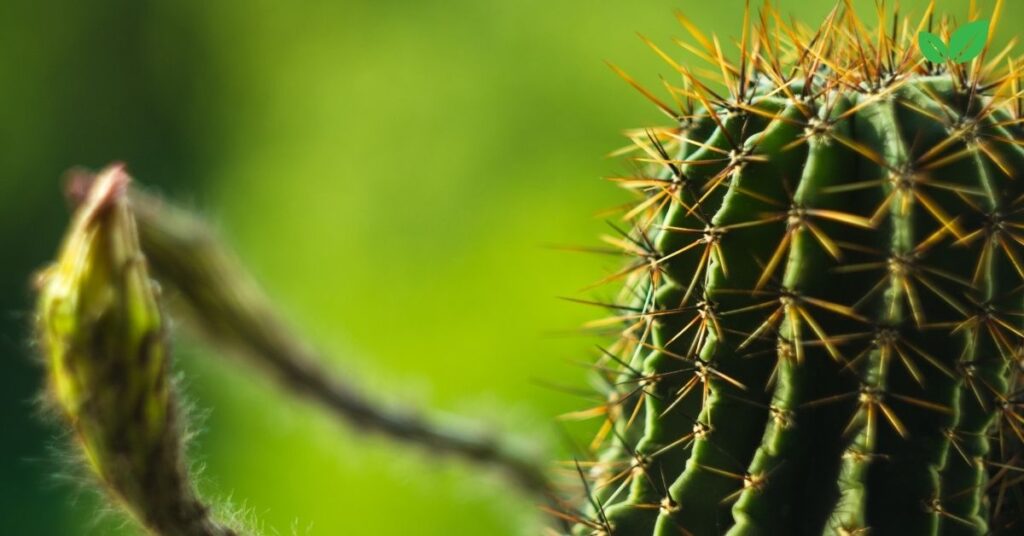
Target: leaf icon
x,y
932,47
968,41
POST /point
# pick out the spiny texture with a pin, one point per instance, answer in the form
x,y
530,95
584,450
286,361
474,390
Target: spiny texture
x,y
821,326
103,336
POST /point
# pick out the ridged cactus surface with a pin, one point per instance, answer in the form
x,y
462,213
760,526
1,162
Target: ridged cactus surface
x,y
821,326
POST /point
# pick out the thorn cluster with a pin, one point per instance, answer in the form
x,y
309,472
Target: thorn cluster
x,y
821,327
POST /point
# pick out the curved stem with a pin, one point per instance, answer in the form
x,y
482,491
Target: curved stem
x,y
225,304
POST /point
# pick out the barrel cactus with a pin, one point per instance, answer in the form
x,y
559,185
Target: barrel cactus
x,y
822,322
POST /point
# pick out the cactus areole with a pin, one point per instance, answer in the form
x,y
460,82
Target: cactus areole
x,y
822,324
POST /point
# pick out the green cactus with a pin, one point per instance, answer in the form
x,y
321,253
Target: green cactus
x,y
822,325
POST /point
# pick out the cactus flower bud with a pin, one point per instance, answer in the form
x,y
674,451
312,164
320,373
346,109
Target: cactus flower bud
x,y
101,329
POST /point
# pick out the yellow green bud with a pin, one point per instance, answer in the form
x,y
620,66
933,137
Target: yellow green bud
x,y
100,326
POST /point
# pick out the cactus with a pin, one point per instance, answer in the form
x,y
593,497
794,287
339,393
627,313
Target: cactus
x,y
822,322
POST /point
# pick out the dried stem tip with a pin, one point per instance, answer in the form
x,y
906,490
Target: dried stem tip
x,y
102,332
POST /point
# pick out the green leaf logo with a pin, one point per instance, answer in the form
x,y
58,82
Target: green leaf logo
x,y
966,43
932,47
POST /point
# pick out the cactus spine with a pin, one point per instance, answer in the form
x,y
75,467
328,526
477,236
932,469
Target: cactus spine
x,y
822,327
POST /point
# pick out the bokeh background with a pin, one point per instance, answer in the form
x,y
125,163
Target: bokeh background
x,y
392,171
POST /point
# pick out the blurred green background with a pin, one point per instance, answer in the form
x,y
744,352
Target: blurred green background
x,y
391,171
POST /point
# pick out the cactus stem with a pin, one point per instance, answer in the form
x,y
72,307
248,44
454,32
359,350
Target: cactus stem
x,y
224,303
849,209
